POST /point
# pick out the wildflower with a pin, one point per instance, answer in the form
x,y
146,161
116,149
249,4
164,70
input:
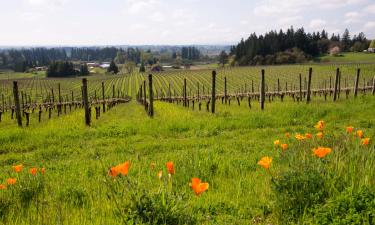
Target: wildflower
x,y
122,169
365,141
18,168
349,129
11,181
308,136
198,187
152,165
321,152
320,125
360,133
276,143
33,171
3,187
284,147
43,170
287,134
320,135
300,137
160,174
265,162
170,167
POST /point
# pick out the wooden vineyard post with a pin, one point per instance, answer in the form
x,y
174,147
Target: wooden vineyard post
x,y
339,86
373,86
17,103
213,92
336,84
262,91
151,96
103,97
185,94
300,87
86,102
113,91
225,90
356,83
309,86
3,102
198,90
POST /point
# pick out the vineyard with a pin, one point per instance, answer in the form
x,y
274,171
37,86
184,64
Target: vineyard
x,y
280,162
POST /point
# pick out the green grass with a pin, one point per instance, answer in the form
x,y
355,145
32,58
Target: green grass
x,y
221,149
350,58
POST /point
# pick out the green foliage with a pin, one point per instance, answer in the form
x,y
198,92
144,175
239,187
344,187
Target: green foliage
x,y
298,189
350,207
84,70
61,69
113,68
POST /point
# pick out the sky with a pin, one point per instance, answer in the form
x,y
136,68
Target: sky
x,y
172,22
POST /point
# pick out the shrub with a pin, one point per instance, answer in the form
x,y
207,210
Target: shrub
x,y
297,190
347,208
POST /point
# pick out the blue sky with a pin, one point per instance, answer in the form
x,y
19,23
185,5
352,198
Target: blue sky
x,y
112,22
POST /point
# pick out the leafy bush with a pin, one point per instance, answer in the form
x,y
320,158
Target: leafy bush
x,y
297,190
347,208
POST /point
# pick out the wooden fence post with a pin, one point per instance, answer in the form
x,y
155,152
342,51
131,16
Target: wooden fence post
x,y
225,90
356,83
300,87
151,97
336,84
17,103
198,90
309,86
184,93
103,96
262,90
145,95
213,92
373,86
86,102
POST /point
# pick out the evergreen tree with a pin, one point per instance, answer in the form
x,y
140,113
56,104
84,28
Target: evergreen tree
x,y
113,68
84,70
142,69
223,58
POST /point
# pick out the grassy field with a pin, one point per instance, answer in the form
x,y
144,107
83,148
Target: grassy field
x,y
350,58
221,149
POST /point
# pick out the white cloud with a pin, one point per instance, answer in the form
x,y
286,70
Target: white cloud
x,y
352,17
370,8
140,6
317,24
369,25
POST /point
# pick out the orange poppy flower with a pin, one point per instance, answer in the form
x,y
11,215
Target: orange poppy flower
x,y
320,125
320,135
300,137
284,147
360,133
43,170
3,187
33,171
308,135
170,168
122,169
18,168
11,181
349,129
160,174
198,187
287,134
276,143
265,162
321,152
365,141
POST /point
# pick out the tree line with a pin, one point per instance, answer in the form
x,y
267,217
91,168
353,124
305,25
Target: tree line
x,y
293,46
